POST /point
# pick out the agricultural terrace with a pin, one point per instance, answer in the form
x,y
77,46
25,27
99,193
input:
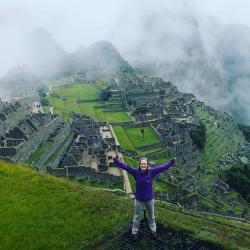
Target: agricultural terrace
x,y
84,98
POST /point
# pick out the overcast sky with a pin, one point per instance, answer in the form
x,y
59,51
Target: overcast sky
x,y
78,22
72,22
81,22
235,11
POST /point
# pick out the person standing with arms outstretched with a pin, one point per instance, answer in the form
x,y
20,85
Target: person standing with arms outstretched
x,y
144,190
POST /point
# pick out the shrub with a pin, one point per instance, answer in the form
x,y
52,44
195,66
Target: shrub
x,y
198,136
245,130
238,177
105,94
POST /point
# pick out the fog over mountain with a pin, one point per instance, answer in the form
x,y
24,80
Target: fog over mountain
x,y
200,49
44,60
198,53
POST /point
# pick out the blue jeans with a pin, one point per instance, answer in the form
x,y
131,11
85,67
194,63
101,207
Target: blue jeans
x,y
139,205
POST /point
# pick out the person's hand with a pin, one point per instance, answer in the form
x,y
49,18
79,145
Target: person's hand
x,y
175,160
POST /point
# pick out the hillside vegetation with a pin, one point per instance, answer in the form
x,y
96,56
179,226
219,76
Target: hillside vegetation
x,y
84,98
39,211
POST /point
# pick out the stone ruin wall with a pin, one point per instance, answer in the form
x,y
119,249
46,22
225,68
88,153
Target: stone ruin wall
x,y
85,173
35,140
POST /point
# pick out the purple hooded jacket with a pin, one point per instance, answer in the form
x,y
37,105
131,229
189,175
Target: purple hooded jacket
x,y
144,181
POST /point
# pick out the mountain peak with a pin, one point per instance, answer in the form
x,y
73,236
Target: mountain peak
x,y
101,56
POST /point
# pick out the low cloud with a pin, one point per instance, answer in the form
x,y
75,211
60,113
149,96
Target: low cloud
x,y
193,45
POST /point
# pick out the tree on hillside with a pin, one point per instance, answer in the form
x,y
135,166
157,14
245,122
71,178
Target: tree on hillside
x,y
245,130
198,135
238,177
142,110
105,94
43,97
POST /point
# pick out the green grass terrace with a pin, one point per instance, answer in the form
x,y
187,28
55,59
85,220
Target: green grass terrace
x,y
84,98
219,140
131,139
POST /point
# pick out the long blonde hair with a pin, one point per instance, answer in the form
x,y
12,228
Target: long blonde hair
x,y
145,159
148,166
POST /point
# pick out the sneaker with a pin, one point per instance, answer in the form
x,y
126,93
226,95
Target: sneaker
x,y
135,237
154,235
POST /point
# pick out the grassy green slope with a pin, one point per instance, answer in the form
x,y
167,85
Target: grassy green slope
x,y
222,136
136,138
219,140
39,211
88,93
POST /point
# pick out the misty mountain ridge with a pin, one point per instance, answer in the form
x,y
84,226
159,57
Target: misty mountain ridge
x,y
102,56
171,52
174,46
45,59
50,60
20,80
44,55
197,53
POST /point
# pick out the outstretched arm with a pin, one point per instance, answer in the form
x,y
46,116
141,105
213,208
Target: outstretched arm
x,y
124,166
163,167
